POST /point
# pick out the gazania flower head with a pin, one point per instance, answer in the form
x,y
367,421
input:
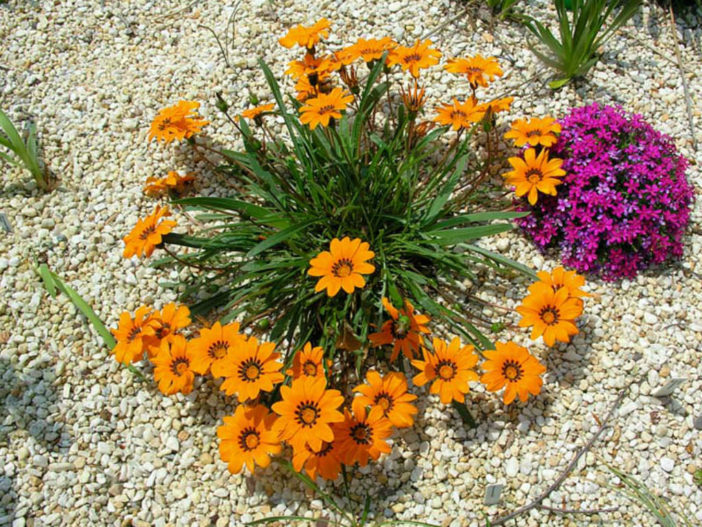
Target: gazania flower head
x,y
307,362
257,112
414,58
306,36
558,278
133,335
325,463
306,410
404,330
251,369
342,266
390,394
173,182
304,89
496,105
479,70
148,233
551,313
320,109
534,174
362,435
247,438
177,122
213,346
372,49
450,369
315,69
168,321
535,131
512,366
172,366
459,114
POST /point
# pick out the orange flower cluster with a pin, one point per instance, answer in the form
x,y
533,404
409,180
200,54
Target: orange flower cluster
x,y
177,122
148,233
534,172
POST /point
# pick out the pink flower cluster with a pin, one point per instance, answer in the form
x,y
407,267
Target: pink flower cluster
x,y
625,201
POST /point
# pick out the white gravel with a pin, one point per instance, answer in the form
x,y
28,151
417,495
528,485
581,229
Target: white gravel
x,y
83,442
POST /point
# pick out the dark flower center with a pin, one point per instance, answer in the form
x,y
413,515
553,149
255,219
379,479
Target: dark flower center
x,y
414,57
362,434
249,439
180,365
534,175
309,368
342,268
512,371
147,232
307,414
549,315
458,115
385,401
164,330
250,370
133,333
218,349
446,369
532,133
164,124
326,109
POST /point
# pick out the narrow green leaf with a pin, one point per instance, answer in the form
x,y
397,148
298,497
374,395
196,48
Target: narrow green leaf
x,y
454,236
280,237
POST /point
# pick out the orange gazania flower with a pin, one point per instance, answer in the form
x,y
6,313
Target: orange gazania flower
x,y
390,394
133,335
362,435
307,362
558,278
551,313
304,89
534,131
326,462
253,368
257,112
213,346
172,366
450,369
306,36
320,109
306,410
534,174
173,181
512,366
479,70
496,105
177,122
168,321
342,266
404,331
247,438
315,69
370,50
414,58
459,114
148,233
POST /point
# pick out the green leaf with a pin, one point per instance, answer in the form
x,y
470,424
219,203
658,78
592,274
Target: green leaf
x,y
554,85
280,237
262,214
454,236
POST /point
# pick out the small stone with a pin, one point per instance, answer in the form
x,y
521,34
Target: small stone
x,y
172,444
512,467
667,464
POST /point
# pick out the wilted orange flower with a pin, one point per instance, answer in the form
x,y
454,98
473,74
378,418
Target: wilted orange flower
x,y
325,463
479,70
496,105
169,320
403,331
363,434
148,233
247,438
213,346
306,36
177,122
342,266
450,367
558,278
306,410
551,313
370,50
413,98
257,112
307,362
133,335
251,369
172,366
172,182
390,394
534,174
534,131
320,109
459,114
414,58
512,366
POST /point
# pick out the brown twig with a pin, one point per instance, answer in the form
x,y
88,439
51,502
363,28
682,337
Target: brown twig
x,y
686,89
501,520
577,511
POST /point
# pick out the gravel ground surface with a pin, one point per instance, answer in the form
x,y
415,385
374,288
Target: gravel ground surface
x,y
83,442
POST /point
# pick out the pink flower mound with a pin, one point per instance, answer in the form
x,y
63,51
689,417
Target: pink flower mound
x,y
625,201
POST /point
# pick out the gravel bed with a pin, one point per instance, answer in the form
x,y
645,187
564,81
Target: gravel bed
x,y
82,441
